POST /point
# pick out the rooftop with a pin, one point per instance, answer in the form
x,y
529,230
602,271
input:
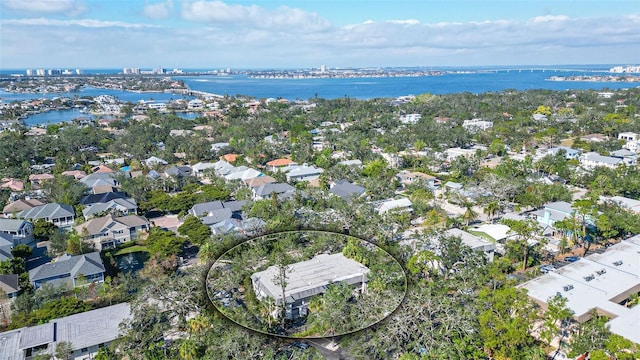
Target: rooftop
x,y
310,277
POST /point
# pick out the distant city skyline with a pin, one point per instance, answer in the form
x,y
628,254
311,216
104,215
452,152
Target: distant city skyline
x,y
308,34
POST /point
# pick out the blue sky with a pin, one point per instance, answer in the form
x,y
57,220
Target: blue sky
x,y
337,33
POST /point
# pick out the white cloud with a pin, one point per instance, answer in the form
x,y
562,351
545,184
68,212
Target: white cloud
x,y
405,22
71,7
158,11
240,43
87,23
281,19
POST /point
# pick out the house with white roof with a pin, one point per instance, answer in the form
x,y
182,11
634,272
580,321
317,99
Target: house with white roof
x,y
402,205
475,125
599,281
86,332
303,173
307,279
592,160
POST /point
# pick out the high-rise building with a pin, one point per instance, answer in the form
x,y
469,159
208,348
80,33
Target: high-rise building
x,y
323,68
79,71
41,72
30,72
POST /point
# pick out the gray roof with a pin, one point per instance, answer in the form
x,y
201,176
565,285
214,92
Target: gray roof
x,y
303,171
82,330
622,153
310,277
92,327
9,283
101,178
205,208
51,211
14,225
6,244
86,264
593,156
345,189
235,205
217,216
278,188
95,208
179,171
561,206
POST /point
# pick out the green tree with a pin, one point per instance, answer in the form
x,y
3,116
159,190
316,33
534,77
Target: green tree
x,y
506,322
195,230
63,350
43,229
556,314
164,243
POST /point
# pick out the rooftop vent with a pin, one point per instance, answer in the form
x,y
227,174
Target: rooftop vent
x,y
601,271
589,277
617,263
568,287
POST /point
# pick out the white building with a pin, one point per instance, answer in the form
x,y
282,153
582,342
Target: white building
x,y
632,139
599,281
306,279
592,160
410,118
474,125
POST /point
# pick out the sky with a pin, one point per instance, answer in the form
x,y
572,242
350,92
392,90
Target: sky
x,y
212,34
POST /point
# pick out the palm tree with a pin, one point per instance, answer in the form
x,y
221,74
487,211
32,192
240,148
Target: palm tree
x,y
491,209
469,213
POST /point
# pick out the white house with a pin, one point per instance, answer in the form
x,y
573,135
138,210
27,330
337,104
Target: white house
x,y
474,125
410,118
592,160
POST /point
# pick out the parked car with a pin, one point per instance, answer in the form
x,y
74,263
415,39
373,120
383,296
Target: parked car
x,y
547,268
571,258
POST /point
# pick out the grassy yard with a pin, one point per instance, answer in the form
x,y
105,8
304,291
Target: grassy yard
x,y
131,249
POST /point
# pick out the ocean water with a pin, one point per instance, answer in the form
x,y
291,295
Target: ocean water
x,y
391,87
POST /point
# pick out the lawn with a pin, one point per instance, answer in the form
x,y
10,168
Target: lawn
x,y
131,249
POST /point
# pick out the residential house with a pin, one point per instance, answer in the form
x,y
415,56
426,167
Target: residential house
x,y
452,153
243,173
76,174
475,125
208,208
308,278
85,332
69,271
632,140
594,138
630,158
118,207
11,210
6,244
476,243
303,173
20,230
219,146
554,212
592,160
627,203
108,231
60,215
199,168
282,191
258,181
195,104
279,164
104,197
38,179
411,177
101,169
12,184
410,118
179,171
10,285
569,153
154,161
346,190
400,205
99,181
